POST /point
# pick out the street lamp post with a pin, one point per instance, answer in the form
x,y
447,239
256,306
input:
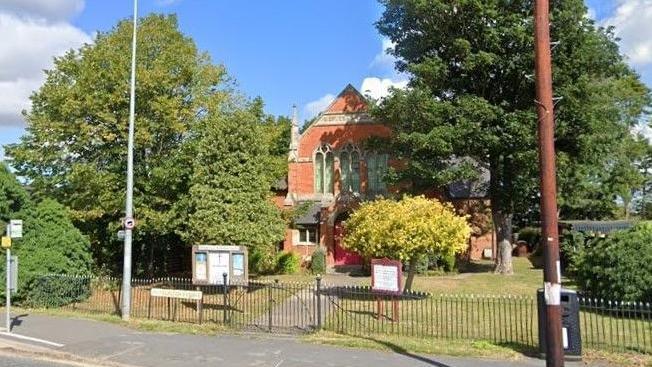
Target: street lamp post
x,y
129,209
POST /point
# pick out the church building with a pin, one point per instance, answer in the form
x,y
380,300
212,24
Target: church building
x,y
330,172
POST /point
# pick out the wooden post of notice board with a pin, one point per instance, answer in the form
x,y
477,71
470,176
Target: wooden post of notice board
x,y
386,280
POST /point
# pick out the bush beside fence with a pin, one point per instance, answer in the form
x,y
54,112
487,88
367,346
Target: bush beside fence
x,y
304,307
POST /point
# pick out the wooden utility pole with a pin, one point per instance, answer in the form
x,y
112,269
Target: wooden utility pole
x,y
547,174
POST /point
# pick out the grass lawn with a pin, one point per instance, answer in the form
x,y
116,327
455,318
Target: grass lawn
x,y
474,278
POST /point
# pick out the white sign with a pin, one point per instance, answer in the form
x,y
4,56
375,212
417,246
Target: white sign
x,y
15,228
219,264
176,293
385,278
200,266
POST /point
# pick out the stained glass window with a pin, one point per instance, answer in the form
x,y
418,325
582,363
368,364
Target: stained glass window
x,y
324,170
350,168
376,171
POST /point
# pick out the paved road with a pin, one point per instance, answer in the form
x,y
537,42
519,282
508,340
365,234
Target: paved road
x,y
113,343
10,361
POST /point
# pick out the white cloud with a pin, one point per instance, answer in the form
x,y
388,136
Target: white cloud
x,y
632,20
591,13
29,43
378,88
48,9
383,59
311,109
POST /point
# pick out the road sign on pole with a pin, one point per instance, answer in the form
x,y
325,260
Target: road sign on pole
x,y
6,242
15,228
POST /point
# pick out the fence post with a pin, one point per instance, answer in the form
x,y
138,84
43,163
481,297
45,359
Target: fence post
x,y
225,292
270,302
318,290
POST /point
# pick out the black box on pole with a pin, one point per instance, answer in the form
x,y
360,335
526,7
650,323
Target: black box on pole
x,y
570,323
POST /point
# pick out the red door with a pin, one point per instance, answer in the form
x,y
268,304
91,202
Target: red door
x,y
342,256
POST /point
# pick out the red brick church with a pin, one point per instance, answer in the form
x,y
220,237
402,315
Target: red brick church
x,y
330,172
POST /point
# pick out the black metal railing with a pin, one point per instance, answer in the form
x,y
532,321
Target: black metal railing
x,y
273,306
616,326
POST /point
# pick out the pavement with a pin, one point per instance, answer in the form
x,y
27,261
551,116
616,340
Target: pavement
x,y
94,343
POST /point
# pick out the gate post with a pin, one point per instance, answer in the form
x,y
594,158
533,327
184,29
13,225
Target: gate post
x,y
318,290
225,296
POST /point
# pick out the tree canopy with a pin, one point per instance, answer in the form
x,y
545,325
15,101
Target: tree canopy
x,y
76,142
471,94
230,198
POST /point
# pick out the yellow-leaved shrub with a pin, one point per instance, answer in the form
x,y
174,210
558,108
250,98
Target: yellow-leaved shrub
x,y
406,228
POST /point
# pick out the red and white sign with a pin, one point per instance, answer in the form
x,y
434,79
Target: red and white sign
x,y
129,223
386,276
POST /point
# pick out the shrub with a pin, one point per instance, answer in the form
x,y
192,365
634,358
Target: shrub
x,y
318,262
288,263
57,290
406,230
50,245
262,261
618,267
572,245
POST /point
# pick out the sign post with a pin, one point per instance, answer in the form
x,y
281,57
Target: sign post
x,y
14,230
386,278
7,290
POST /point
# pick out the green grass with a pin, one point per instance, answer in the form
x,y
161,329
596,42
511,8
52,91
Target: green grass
x,y
473,278
407,345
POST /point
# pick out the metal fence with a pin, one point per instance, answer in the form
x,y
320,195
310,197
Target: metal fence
x,y
272,306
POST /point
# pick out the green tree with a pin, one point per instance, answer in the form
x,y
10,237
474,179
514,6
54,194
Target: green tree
x,y
76,141
471,94
230,202
13,197
50,245
406,230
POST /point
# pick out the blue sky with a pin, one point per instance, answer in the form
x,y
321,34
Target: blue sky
x,y
286,51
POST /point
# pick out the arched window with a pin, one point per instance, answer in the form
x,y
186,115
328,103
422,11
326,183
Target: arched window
x,y
376,171
350,168
324,170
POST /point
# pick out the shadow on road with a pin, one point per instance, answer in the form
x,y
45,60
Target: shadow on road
x,y
16,320
404,352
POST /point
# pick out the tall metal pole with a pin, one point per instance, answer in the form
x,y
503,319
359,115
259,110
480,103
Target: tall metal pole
x,y
8,292
550,236
129,210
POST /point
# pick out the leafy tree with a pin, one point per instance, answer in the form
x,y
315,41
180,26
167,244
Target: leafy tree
x,y
76,141
406,230
234,169
13,197
471,94
50,245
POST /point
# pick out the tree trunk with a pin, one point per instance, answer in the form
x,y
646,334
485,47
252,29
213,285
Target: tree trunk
x,y
500,188
503,228
412,269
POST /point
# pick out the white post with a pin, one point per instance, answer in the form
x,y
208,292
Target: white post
x,y
8,292
129,211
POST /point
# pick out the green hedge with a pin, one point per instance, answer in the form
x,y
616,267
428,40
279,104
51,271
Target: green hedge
x,y
618,267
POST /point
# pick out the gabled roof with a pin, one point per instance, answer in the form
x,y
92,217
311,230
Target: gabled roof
x,y
348,101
